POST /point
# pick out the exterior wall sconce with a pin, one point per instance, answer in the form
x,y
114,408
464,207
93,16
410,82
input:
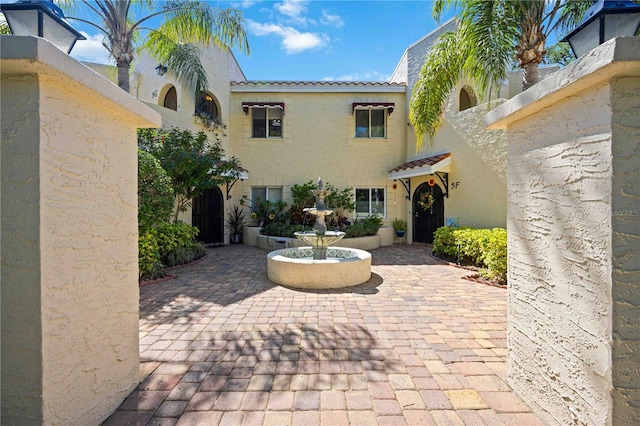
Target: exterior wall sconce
x,y
161,70
41,19
605,20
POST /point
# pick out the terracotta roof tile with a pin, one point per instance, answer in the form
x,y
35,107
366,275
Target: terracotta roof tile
x,y
421,162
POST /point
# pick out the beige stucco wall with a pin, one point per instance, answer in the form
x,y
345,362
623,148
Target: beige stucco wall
x,y
477,173
69,238
625,243
221,67
318,141
574,239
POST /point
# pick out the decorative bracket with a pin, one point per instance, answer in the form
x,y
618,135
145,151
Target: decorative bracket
x,y
231,186
444,178
407,186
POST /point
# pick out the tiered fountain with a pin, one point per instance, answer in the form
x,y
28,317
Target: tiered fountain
x,y
319,265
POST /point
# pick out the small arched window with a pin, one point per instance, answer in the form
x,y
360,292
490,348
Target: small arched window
x,y
467,98
206,106
171,99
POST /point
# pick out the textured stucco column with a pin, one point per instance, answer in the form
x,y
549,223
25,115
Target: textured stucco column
x,y
69,237
574,239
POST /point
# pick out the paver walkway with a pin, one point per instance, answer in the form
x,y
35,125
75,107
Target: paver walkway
x,y
414,345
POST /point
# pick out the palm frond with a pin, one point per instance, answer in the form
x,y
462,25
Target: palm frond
x,y
182,60
438,76
571,13
488,35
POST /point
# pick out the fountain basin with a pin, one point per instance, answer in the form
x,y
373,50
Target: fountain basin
x,y
329,237
295,267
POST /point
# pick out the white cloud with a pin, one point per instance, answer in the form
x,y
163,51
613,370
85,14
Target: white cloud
x,y
367,76
293,41
91,49
294,9
333,20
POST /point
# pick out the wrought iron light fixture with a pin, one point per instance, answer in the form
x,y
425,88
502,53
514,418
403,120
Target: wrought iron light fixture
x,y
42,19
605,20
161,70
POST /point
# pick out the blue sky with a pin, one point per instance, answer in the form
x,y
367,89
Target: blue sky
x,y
358,40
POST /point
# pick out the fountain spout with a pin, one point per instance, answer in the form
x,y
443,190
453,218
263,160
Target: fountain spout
x,y
319,238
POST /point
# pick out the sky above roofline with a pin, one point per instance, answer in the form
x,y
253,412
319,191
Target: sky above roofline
x,y
315,40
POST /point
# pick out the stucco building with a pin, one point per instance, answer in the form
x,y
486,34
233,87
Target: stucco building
x,y
352,134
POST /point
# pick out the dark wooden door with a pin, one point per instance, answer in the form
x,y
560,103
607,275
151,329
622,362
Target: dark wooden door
x,y
207,215
425,222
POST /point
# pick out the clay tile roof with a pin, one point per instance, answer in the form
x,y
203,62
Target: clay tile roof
x,y
421,162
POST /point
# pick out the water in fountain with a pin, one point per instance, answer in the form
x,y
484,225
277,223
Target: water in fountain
x,y
319,239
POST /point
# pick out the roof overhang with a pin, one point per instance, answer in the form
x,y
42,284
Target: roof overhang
x,y
422,166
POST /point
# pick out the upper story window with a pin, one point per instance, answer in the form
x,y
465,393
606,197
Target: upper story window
x,y
266,123
206,106
371,119
171,99
370,202
266,118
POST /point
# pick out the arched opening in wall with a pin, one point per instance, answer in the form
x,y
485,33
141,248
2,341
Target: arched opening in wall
x,y
171,99
207,106
467,98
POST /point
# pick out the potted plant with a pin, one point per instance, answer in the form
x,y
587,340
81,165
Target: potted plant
x,y
235,224
400,226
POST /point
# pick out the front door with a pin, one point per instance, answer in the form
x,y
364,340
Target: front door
x,y
207,215
427,220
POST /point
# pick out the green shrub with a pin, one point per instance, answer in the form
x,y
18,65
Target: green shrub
x,y
149,264
155,195
279,229
444,241
177,244
363,227
495,258
485,248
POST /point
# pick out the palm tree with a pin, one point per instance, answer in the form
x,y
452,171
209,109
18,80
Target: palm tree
x,y
489,34
171,43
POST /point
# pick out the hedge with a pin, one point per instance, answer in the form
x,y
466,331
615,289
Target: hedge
x,y
166,245
485,248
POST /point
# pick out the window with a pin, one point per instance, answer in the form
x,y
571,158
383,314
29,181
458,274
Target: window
x,y
171,99
370,123
272,194
206,106
467,98
266,122
370,202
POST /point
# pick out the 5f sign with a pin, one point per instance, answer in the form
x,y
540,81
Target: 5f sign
x,y
455,185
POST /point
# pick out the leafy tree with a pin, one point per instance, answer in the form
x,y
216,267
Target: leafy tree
x,y
184,23
155,195
560,53
489,34
193,163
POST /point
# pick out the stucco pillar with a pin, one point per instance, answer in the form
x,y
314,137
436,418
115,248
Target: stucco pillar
x,y
69,237
573,192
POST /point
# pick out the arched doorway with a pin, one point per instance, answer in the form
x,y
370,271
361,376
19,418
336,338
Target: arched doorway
x,y
207,215
426,221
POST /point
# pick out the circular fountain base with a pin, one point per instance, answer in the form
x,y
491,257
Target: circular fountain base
x,y
295,267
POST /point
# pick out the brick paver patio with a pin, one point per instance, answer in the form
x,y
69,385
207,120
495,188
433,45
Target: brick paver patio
x,y
415,345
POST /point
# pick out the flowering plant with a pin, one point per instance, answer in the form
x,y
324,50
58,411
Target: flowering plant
x,y
426,201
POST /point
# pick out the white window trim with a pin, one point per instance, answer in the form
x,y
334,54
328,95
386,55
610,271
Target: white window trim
x,y
360,215
369,109
267,108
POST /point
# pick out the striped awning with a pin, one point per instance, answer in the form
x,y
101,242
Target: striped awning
x,y
389,106
246,106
